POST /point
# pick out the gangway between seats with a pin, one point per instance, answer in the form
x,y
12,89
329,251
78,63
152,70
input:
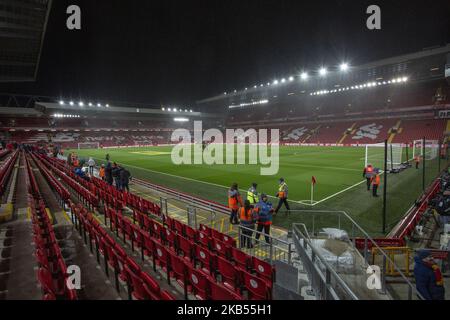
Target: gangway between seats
x,y
335,266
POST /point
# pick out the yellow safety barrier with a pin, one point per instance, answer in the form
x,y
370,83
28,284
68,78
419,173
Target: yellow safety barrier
x,y
392,253
49,215
6,212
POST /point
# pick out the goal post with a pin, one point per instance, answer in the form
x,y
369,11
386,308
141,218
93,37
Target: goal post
x,y
429,150
374,155
88,145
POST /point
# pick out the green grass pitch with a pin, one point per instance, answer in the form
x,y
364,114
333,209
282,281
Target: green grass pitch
x,y
338,171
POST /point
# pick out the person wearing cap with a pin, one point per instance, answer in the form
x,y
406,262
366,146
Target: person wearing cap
x,y
234,201
368,173
247,218
375,182
91,164
264,210
252,194
282,195
429,281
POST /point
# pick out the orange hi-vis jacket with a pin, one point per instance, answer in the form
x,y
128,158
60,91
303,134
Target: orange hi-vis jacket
x,y
417,159
234,200
246,216
101,173
376,180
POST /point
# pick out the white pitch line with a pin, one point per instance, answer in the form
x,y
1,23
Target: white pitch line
x,y
221,186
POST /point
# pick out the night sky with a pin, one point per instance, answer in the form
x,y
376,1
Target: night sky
x,y
176,52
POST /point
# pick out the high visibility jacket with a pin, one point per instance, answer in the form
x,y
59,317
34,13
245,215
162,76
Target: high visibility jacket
x,y
264,212
101,173
234,199
246,217
368,172
417,159
376,180
283,191
252,196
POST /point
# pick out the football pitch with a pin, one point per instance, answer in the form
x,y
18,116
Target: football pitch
x,y
338,172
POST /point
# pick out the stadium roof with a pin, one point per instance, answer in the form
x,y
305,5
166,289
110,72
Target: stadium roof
x,y
424,65
22,29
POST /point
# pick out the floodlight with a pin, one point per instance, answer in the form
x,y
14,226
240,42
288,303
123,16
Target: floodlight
x,y
275,82
190,110
163,109
80,103
107,105
99,104
169,109
304,76
61,102
344,67
323,72
90,104
291,78
181,119
405,79
283,80
71,103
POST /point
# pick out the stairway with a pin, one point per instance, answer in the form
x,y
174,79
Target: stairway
x,y
346,134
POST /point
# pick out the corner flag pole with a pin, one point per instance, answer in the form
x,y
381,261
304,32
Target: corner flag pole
x,y
313,182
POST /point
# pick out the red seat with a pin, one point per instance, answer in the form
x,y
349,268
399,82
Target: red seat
x,y
156,230
263,268
161,255
151,287
206,259
229,240
191,233
205,229
135,285
257,288
229,274
179,271
169,222
179,227
218,292
167,296
199,282
222,249
169,237
241,258
185,246
204,240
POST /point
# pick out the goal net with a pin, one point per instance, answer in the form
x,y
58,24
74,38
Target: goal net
x,y
429,150
375,154
88,145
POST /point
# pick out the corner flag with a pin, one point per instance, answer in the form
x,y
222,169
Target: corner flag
x,y
313,183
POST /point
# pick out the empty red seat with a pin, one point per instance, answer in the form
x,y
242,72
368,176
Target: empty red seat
x,y
222,249
179,271
185,247
228,273
199,282
167,296
257,288
219,292
204,240
241,258
135,285
151,287
206,259
263,268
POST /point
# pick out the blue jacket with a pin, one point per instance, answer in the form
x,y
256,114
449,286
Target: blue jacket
x,y
264,214
426,281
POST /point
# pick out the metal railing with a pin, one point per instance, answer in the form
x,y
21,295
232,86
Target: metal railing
x,y
325,282
318,219
264,246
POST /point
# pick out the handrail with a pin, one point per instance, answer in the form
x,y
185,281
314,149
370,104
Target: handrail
x,y
367,238
330,273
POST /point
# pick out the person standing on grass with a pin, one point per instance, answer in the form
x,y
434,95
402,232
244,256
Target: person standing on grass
x,y
107,157
375,182
417,161
91,164
234,201
125,177
368,173
247,217
282,194
264,210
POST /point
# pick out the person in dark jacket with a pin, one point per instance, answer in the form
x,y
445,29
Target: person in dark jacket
x,y
429,281
108,174
116,175
125,177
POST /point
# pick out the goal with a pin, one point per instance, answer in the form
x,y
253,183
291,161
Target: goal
x,y
375,155
429,150
88,145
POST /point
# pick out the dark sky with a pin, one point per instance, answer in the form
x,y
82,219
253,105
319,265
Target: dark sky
x,y
176,52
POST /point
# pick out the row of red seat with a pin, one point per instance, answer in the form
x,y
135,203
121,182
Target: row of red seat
x,y
212,247
128,198
53,182
52,271
4,152
140,284
6,169
73,181
199,266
